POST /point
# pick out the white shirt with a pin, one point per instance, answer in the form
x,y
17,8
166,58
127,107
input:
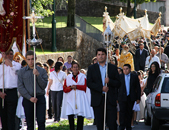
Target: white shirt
x,y
58,80
155,58
10,75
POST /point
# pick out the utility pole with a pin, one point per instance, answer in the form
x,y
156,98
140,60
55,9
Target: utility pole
x,y
135,9
53,49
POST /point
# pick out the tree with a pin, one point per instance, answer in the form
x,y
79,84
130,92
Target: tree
x,y
71,13
40,7
137,2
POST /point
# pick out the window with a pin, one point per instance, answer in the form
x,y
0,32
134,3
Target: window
x,y
165,86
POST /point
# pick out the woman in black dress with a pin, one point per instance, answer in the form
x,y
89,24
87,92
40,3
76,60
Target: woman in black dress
x,y
153,74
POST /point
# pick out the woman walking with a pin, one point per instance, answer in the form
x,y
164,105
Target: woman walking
x,y
56,80
153,74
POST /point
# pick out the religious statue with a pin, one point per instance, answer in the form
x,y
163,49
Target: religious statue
x,y
2,11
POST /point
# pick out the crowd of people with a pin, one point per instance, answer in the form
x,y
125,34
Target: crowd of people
x,y
63,90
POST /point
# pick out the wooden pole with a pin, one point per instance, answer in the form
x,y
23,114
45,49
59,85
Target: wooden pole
x,y
3,83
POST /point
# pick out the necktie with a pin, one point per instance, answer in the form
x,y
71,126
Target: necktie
x,y
127,84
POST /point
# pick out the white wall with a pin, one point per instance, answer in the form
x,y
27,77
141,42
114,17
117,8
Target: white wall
x,y
154,7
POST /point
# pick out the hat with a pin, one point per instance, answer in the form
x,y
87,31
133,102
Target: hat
x,y
141,40
123,43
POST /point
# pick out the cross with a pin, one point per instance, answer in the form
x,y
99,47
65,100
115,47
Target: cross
x,y
33,19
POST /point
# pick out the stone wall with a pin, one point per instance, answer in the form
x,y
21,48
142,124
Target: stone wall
x,y
96,9
83,45
86,49
65,38
43,58
152,16
167,12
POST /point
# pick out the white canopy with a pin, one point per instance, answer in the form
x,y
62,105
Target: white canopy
x,y
133,28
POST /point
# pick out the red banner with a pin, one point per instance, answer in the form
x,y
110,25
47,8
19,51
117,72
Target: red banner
x,y
11,24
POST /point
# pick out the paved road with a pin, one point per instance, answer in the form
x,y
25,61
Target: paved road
x,y
140,126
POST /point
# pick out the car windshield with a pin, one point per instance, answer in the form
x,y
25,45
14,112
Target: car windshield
x,y
165,87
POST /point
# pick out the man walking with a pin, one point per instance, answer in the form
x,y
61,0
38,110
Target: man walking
x,y
96,81
26,89
129,92
163,58
140,57
8,112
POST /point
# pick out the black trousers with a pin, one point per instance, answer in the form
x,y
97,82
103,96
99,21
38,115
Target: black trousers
x,y
9,111
57,97
50,106
80,121
40,112
140,68
111,115
126,113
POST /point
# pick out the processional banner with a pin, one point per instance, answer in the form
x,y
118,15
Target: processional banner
x,y
12,26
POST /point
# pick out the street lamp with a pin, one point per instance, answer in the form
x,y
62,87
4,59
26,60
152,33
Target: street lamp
x,y
53,48
108,36
135,9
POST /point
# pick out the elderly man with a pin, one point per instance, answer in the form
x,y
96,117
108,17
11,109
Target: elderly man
x,y
163,58
157,49
126,58
150,59
140,57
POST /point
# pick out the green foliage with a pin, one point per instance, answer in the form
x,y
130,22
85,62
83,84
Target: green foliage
x,y
139,1
44,7
39,6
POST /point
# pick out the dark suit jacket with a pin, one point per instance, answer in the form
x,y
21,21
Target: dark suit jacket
x,y
166,50
140,59
135,90
94,82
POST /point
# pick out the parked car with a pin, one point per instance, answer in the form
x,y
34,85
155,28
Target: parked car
x,y
156,110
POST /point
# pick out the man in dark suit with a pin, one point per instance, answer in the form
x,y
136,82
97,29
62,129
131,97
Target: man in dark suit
x,y
129,92
166,51
96,81
140,57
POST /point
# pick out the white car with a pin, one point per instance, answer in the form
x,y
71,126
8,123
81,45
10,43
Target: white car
x,y
156,110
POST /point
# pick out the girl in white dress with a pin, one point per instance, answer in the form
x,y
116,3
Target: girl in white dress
x,y
140,115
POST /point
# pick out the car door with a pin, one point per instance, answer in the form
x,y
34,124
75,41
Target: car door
x,y
165,93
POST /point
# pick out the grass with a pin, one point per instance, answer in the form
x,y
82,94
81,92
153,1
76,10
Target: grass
x,y
64,125
61,21
40,52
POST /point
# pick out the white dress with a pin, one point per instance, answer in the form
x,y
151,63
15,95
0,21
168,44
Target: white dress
x,y
140,114
20,110
77,98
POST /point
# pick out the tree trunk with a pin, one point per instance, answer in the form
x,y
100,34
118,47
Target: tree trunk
x,y
128,8
71,13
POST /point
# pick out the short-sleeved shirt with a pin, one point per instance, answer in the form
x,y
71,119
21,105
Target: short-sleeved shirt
x,y
68,66
58,80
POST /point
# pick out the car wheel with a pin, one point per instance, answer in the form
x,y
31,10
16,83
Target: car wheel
x,y
147,119
155,124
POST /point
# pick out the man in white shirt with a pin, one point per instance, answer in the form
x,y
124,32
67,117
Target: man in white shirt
x,y
150,59
10,96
